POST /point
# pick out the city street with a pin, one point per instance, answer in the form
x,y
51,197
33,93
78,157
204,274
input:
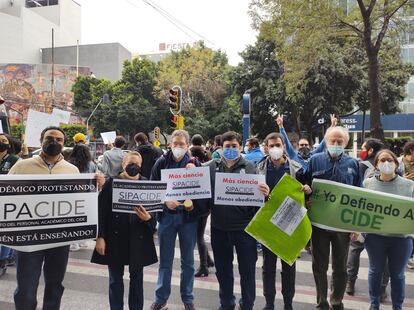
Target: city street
x,y
87,285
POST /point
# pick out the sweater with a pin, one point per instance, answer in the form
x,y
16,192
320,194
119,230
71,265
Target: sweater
x,y
36,165
398,186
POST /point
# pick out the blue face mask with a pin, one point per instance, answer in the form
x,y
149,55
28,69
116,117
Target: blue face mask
x,y
335,150
231,153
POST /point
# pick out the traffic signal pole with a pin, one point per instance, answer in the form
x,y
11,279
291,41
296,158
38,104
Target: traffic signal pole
x,y
176,102
246,117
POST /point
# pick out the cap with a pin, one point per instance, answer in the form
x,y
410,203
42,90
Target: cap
x,y
79,137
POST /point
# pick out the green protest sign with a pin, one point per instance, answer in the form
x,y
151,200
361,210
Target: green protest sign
x,y
342,207
282,224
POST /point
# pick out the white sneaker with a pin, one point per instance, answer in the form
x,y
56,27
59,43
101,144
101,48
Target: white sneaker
x,y
74,247
410,264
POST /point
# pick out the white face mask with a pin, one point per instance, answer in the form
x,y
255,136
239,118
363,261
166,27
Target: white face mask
x,y
386,167
275,153
178,152
246,149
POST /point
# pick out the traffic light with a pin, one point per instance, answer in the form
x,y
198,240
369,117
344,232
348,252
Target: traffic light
x,y
174,121
175,100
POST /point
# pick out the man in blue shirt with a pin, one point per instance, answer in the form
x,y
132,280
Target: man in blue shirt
x,y
336,166
304,152
253,152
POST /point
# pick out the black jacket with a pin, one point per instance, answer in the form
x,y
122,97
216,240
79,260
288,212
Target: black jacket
x,y
149,154
226,217
129,241
201,206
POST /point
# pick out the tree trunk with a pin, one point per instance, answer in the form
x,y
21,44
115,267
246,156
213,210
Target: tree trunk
x,y
375,95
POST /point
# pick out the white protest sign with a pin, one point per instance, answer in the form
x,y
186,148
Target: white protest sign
x,y
1,128
47,211
289,215
61,115
238,189
182,184
127,194
108,137
36,122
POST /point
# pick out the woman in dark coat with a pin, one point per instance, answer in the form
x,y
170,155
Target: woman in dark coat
x,y
125,239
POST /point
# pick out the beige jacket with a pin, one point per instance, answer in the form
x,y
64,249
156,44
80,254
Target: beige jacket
x,y
36,165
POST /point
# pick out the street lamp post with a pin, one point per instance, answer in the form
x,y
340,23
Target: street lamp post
x,y
104,99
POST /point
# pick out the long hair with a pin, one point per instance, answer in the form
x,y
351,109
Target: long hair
x,y
10,150
80,157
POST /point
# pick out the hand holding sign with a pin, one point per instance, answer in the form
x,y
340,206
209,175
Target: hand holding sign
x,y
264,189
142,213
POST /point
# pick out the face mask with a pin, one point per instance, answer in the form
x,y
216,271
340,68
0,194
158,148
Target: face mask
x,y
132,169
231,153
386,167
4,146
51,148
363,154
246,149
335,150
304,152
178,152
275,153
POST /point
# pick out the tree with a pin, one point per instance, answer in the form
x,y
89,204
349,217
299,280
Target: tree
x,y
261,73
303,27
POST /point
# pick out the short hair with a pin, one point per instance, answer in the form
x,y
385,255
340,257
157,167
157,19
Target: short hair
x,y
42,135
273,136
394,157
343,130
119,141
230,136
408,147
132,153
198,151
217,140
254,142
11,149
141,137
17,144
375,144
181,133
197,139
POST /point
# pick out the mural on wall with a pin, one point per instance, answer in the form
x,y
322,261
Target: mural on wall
x,y
25,87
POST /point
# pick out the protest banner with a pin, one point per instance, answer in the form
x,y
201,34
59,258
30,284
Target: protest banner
x,y
341,207
282,224
61,115
36,122
127,194
47,211
108,137
238,189
182,184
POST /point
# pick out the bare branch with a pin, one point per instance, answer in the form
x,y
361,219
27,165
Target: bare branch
x,y
355,29
371,7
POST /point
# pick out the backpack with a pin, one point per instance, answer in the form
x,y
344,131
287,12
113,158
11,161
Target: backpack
x,y
370,172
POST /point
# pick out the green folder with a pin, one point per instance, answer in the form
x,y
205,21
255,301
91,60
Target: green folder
x,y
261,227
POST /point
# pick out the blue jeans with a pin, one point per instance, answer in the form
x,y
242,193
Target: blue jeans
x,y
170,225
116,288
223,243
6,253
29,268
398,251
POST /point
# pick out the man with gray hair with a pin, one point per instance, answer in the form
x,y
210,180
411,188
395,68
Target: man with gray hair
x,y
336,166
177,218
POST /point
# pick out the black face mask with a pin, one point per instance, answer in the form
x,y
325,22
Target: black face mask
x,y
132,169
4,147
304,152
51,148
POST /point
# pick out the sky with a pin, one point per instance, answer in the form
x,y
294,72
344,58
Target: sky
x,y
225,24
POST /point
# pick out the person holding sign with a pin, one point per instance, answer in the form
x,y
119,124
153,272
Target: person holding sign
x,y
336,166
125,240
178,217
380,247
227,229
54,260
274,166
